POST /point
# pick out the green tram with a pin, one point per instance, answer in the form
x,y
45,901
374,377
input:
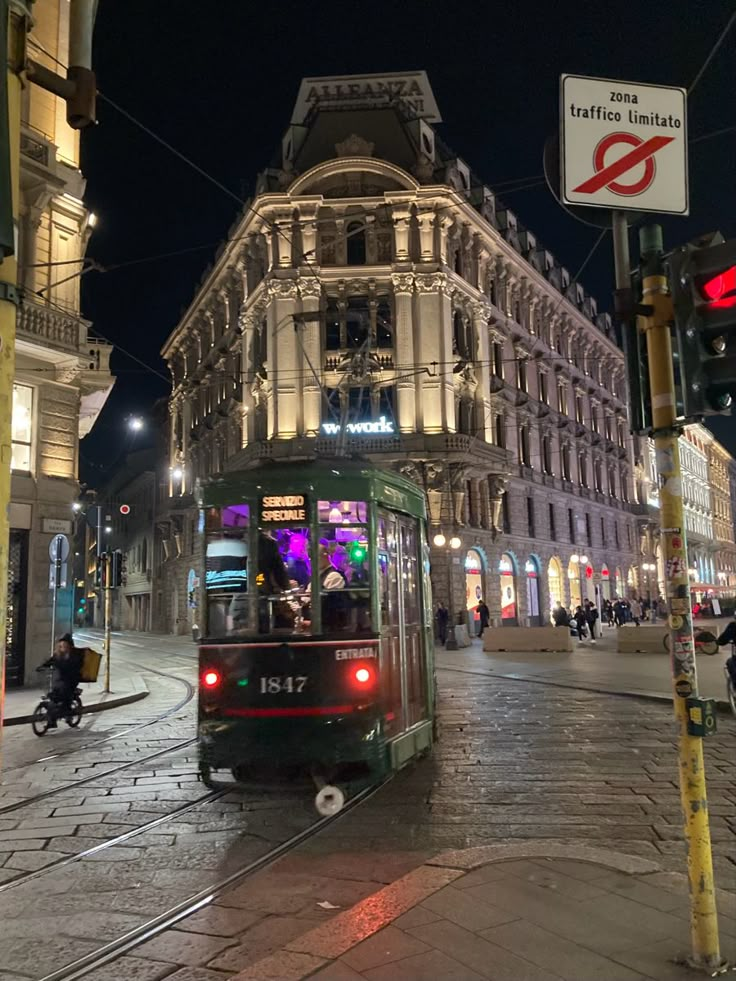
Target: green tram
x,y
316,648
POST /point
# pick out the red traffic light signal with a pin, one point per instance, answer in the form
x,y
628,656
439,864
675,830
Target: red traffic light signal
x,y
125,508
720,288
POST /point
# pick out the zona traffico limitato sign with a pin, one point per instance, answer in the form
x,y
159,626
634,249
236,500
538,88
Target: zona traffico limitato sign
x,y
623,145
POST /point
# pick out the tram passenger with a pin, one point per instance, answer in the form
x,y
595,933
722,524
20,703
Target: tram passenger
x,y
272,578
334,598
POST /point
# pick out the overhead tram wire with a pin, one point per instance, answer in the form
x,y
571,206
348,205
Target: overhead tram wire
x,y
712,53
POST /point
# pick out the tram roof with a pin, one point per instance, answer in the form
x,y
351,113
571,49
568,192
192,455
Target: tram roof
x,y
344,479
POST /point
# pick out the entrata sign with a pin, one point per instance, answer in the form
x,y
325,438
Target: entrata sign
x,y
623,145
411,89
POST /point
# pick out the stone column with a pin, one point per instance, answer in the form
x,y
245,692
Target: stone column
x,y
308,223
186,430
401,213
426,236
496,490
434,308
481,313
310,291
282,355
403,284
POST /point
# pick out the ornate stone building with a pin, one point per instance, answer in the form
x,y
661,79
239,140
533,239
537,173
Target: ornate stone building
x,y
377,298
62,375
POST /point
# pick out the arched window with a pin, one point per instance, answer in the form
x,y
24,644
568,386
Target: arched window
x,y
547,454
598,476
355,242
566,462
524,454
583,469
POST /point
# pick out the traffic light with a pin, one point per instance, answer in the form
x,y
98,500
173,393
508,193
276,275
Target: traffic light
x,y
82,608
117,568
637,362
702,277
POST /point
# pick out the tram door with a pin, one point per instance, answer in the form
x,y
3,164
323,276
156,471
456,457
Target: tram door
x,y
400,592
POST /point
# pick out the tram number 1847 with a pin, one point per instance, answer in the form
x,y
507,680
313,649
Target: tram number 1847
x,y
276,685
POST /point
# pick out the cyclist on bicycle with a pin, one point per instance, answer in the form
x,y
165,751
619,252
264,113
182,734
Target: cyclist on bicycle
x,y
66,662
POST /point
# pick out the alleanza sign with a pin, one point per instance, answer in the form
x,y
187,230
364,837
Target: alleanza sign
x,y
377,427
282,508
410,88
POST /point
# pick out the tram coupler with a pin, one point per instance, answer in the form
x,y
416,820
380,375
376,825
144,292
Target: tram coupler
x,y
329,800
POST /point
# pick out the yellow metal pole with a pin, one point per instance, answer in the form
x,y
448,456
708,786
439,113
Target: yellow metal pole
x,y
8,309
655,295
108,609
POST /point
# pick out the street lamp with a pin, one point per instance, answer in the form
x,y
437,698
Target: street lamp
x,y
135,424
440,540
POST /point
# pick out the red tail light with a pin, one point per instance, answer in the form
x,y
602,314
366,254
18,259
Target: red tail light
x,y
363,676
211,679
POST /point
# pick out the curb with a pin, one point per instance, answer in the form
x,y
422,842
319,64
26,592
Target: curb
x,y
101,706
721,703
329,941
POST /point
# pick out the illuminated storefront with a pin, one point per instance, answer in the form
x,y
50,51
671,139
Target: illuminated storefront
x,y
507,576
531,568
473,588
554,583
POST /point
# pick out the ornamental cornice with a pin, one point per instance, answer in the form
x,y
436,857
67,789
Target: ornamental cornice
x,y
432,283
403,282
481,310
282,289
310,288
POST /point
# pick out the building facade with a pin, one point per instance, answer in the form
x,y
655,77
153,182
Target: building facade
x,y
377,298
62,373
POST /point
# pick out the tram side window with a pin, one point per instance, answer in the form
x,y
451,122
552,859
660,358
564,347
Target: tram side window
x,y
226,569
344,574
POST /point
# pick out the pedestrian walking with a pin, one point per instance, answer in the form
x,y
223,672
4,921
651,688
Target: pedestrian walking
x,y
608,612
442,616
560,617
636,611
485,616
618,612
581,621
591,618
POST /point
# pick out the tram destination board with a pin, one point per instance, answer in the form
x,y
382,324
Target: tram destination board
x,y
278,509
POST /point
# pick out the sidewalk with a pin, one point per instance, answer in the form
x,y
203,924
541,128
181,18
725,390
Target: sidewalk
x,y
591,667
127,688
531,911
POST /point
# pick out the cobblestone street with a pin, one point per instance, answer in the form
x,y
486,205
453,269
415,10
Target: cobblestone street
x,y
516,763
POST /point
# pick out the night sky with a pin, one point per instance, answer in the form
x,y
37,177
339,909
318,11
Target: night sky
x,y
220,88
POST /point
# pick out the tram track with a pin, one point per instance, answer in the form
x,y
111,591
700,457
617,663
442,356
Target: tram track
x,y
142,829
110,951
189,695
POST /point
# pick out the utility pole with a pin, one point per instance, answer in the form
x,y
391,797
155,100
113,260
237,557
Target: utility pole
x,y
655,323
13,18
108,617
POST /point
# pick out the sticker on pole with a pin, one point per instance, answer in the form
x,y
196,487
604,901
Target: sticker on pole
x,y
623,145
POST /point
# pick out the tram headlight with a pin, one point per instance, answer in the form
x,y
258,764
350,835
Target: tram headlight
x,y
210,679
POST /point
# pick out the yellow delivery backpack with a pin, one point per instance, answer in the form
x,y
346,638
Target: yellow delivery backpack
x,y
91,661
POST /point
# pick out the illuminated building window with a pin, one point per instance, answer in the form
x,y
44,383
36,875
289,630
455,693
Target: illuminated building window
x,y
22,428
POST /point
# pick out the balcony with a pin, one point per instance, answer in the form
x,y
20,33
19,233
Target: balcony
x,y
51,328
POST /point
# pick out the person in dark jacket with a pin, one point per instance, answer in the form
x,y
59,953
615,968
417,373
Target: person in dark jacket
x,y
591,618
66,662
729,635
442,617
560,617
485,616
581,620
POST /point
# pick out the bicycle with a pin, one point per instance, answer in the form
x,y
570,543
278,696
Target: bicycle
x,y
49,710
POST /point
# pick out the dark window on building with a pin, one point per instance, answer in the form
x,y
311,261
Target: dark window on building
x,y
459,337
505,514
579,410
358,322
547,455
384,324
530,517
332,327
629,536
571,524
565,462
466,416
552,523
521,378
588,530
498,359
500,431
543,386
355,241
618,540
387,401
603,532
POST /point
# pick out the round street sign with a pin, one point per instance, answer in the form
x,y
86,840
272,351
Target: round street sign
x,y
59,548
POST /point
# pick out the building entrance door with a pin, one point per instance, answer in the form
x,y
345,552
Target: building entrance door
x,y
15,624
